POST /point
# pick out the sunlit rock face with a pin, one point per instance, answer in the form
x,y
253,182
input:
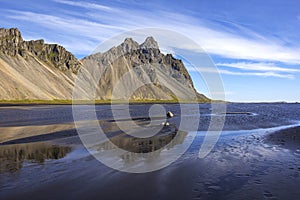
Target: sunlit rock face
x,y
162,77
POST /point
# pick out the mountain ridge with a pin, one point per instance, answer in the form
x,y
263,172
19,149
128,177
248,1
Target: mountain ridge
x,y
12,43
35,70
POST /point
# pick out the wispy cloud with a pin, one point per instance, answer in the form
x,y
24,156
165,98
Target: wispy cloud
x,y
260,66
78,35
86,5
74,25
235,44
261,74
238,73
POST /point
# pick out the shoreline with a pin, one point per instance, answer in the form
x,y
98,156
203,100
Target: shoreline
x,y
6,103
287,136
96,102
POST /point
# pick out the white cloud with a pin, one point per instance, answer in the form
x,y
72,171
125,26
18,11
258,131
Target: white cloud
x,y
86,5
70,25
247,45
235,73
260,66
234,46
261,74
77,35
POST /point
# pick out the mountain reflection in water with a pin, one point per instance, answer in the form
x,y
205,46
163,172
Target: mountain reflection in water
x,y
12,157
151,148
146,145
168,136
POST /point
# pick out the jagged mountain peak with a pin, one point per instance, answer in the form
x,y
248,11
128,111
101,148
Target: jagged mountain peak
x,y
10,37
12,44
10,31
130,45
149,43
129,41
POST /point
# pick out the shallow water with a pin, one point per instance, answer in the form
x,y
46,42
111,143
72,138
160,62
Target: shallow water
x,y
241,166
240,116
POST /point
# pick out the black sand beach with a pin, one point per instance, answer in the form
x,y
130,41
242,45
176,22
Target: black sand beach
x,y
259,163
288,138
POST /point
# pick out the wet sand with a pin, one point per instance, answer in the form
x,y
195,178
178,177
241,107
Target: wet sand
x,y
288,138
23,134
241,166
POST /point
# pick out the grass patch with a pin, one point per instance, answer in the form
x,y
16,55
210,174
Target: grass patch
x,y
83,102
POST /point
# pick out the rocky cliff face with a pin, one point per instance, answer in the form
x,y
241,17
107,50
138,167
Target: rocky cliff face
x,y
33,69
141,64
12,44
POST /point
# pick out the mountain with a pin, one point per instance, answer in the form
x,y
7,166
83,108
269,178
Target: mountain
x,y
159,76
35,70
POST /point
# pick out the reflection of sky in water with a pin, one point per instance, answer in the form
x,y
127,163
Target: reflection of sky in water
x,y
14,157
240,120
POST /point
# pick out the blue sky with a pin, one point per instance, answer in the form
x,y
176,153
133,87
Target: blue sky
x,y
254,44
